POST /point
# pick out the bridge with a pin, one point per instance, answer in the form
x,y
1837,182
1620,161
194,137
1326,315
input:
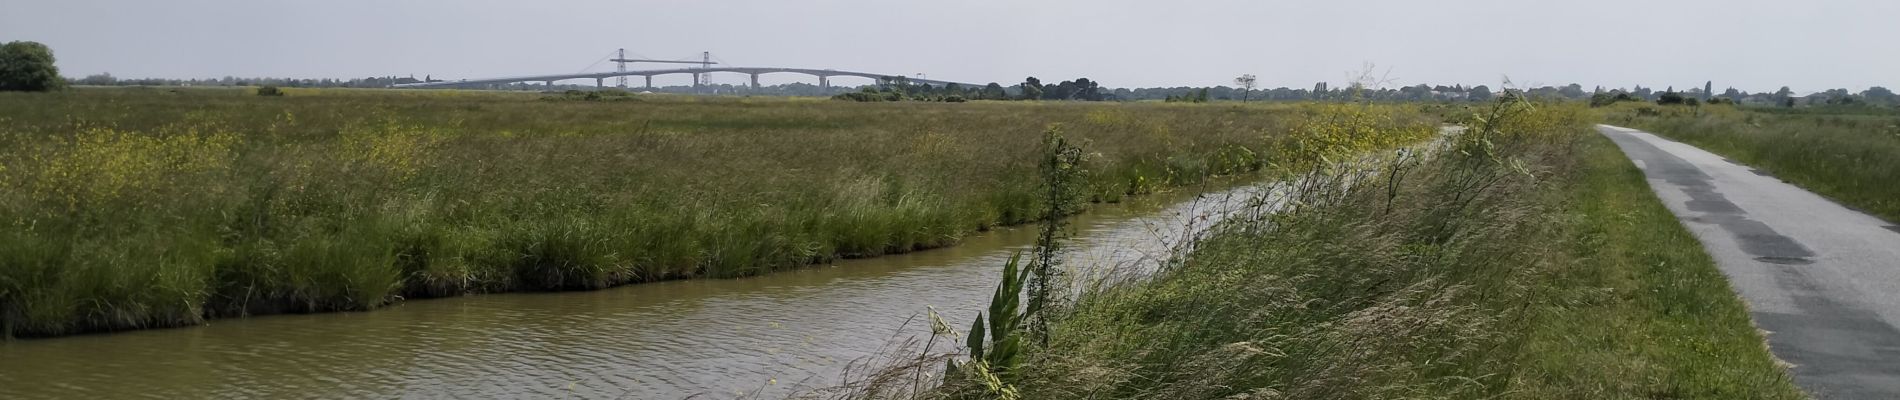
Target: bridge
x,y
600,78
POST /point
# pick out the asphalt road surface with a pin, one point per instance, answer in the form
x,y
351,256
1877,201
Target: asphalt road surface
x,y
1822,279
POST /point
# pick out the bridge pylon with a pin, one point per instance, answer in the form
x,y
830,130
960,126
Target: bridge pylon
x,y
622,60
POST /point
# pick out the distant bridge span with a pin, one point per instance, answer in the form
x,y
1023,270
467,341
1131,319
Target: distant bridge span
x,y
600,78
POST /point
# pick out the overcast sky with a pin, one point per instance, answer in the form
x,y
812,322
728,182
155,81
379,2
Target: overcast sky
x,y
1751,45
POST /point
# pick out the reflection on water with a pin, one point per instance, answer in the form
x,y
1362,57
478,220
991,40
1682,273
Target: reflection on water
x,y
661,340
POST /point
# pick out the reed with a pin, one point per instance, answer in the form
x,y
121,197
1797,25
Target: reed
x,y
1521,258
143,207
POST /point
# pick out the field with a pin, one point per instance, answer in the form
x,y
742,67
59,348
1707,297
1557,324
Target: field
x,y
1526,259
142,207
1849,154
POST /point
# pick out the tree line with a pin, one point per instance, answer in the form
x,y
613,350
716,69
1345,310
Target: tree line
x,y
29,66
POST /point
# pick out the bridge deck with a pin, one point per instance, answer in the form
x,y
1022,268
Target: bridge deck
x,y
652,72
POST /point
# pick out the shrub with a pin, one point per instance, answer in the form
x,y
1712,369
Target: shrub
x,y
1604,99
1669,98
862,97
270,91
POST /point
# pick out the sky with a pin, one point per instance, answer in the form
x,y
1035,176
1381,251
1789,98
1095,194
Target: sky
x,y
1747,44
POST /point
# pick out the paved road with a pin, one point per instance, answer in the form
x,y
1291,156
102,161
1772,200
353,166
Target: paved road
x,y
1822,279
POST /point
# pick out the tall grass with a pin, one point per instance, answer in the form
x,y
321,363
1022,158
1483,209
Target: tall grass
x,y
1850,155
1522,258
1382,278
132,208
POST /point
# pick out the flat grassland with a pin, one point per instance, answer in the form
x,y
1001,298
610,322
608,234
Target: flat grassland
x,y
144,207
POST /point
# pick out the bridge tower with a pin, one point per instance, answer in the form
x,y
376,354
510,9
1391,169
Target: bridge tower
x,y
704,62
622,60
702,80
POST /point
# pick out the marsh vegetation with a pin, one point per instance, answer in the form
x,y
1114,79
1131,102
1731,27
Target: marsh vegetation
x,y
1521,258
141,207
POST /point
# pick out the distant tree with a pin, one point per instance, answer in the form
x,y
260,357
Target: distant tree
x,y
1032,89
1085,89
1785,96
1246,83
1319,90
1708,90
993,91
1671,98
1060,91
1480,93
1879,94
101,79
28,66
1608,98
1192,96
1572,91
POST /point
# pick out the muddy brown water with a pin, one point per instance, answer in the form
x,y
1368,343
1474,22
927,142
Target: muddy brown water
x,y
768,336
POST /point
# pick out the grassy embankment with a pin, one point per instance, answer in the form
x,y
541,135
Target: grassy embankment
x,y
1527,260
132,208
1851,155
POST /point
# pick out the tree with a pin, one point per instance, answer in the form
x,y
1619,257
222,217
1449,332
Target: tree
x,y
1708,89
993,91
1085,89
28,66
1480,93
102,79
1572,91
1608,98
1032,89
1671,98
1879,95
1246,83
